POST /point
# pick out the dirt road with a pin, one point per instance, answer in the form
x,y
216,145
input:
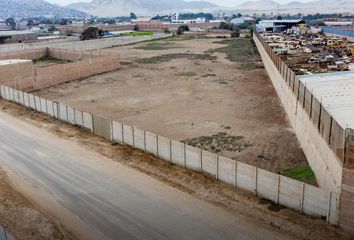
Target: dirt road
x,y
95,198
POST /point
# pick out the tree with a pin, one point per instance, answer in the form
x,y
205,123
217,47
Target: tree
x,y
279,17
132,16
11,23
30,23
181,29
235,33
91,33
136,28
52,29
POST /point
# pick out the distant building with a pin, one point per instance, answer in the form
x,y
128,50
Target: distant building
x,y
336,22
241,20
278,25
141,20
175,19
18,36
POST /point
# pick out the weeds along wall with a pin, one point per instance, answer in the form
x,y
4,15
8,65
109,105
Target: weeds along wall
x,y
321,137
279,189
82,64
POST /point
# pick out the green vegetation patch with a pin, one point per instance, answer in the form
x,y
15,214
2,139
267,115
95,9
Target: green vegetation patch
x,y
209,75
238,50
140,33
158,46
169,57
49,59
219,142
186,74
303,174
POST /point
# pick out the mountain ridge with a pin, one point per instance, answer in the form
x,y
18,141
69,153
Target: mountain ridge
x,y
35,8
270,4
110,8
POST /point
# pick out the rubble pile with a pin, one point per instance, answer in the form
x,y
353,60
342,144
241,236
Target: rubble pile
x,y
312,53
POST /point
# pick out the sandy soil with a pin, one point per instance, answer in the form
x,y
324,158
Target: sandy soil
x,y
21,219
186,98
260,211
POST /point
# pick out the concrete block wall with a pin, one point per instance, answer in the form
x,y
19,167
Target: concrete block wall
x,y
346,217
309,120
25,76
279,189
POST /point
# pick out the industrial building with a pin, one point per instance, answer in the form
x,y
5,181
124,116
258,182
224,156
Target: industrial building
x,y
278,25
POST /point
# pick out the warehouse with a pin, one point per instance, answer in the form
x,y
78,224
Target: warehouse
x,y
278,25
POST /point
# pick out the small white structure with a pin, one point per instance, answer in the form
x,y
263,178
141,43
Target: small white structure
x,y
242,20
175,19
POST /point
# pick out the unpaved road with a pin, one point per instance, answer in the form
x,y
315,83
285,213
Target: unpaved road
x,y
96,198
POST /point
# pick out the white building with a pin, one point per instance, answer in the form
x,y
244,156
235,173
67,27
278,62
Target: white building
x,y
277,25
175,19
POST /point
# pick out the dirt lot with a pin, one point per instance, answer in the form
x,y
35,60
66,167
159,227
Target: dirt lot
x,y
236,201
21,219
212,93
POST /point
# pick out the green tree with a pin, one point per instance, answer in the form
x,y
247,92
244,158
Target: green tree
x,y
11,23
91,33
136,28
235,33
30,23
132,16
52,29
181,29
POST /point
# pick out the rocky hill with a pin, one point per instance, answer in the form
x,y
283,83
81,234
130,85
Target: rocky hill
x,y
111,8
35,8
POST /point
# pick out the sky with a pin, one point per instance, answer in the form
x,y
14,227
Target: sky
x,y
227,3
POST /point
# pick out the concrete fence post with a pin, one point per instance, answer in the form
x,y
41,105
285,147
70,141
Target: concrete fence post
x,y
185,155
329,207
278,186
122,125
302,197
133,136
170,150
217,167
157,146
144,141
256,182
235,177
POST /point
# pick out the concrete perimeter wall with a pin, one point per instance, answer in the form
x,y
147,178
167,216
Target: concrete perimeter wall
x,y
82,45
320,136
83,64
279,189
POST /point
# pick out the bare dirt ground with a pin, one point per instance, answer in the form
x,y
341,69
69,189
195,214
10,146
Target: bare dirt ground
x,y
260,211
181,90
47,61
21,219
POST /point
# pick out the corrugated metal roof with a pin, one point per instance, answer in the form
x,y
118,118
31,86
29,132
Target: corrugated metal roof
x,y
336,92
282,21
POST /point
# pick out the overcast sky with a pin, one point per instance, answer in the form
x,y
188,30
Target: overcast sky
x,y
218,2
